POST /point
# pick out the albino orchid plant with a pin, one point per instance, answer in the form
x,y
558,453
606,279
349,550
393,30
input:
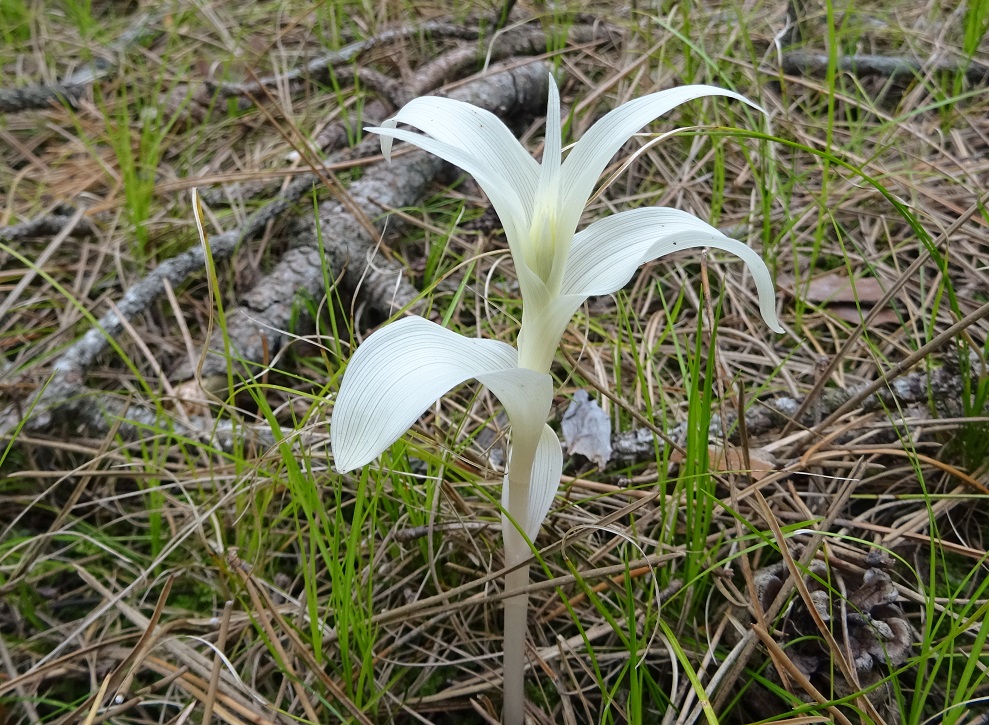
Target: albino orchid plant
x,y
403,368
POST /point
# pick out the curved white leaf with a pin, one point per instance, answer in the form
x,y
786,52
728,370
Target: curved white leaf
x,y
476,131
546,472
395,375
553,138
605,255
547,468
589,156
512,210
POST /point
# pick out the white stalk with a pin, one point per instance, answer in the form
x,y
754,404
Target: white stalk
x,y
519,482
516,627
401,369
519,485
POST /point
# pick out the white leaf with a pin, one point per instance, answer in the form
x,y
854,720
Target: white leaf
x,y
591,154
396,374
513,209
546,470
553,138
605,255
479,133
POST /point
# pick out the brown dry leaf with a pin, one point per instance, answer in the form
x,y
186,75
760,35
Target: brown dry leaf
x,y
834,286
848,300
196,395
852,314
730,459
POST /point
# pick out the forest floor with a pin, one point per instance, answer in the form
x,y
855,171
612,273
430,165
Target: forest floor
x,y
175,545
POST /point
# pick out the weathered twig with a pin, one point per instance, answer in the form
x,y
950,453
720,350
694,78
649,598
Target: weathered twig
x,y
336,237
34,97
41,96
45,226
336,242
796,61
320,68
526,40
521,41
68,370
940,384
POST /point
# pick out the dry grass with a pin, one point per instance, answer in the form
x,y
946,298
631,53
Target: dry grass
x,y
156,575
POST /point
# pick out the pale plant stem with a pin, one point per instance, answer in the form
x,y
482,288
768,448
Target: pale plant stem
x,y
516,626
519,485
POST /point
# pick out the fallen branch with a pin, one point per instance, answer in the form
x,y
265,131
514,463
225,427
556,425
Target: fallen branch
x,y
46,225
258,324
797,61
523,41
334,243
42,96
67,381
943,385
320,68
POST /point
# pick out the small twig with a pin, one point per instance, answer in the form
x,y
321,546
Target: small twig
x,y
41,96
320,67
524,41
35,97
404,536
46,225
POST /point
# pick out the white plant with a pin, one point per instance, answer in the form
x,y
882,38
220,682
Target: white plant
x,y
404,367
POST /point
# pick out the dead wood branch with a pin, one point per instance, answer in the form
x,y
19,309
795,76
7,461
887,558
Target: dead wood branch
x,y
46,225
335,243
526,40
797,62
42,96
320,68
256,326
523,41
941,384
67,380
35,97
